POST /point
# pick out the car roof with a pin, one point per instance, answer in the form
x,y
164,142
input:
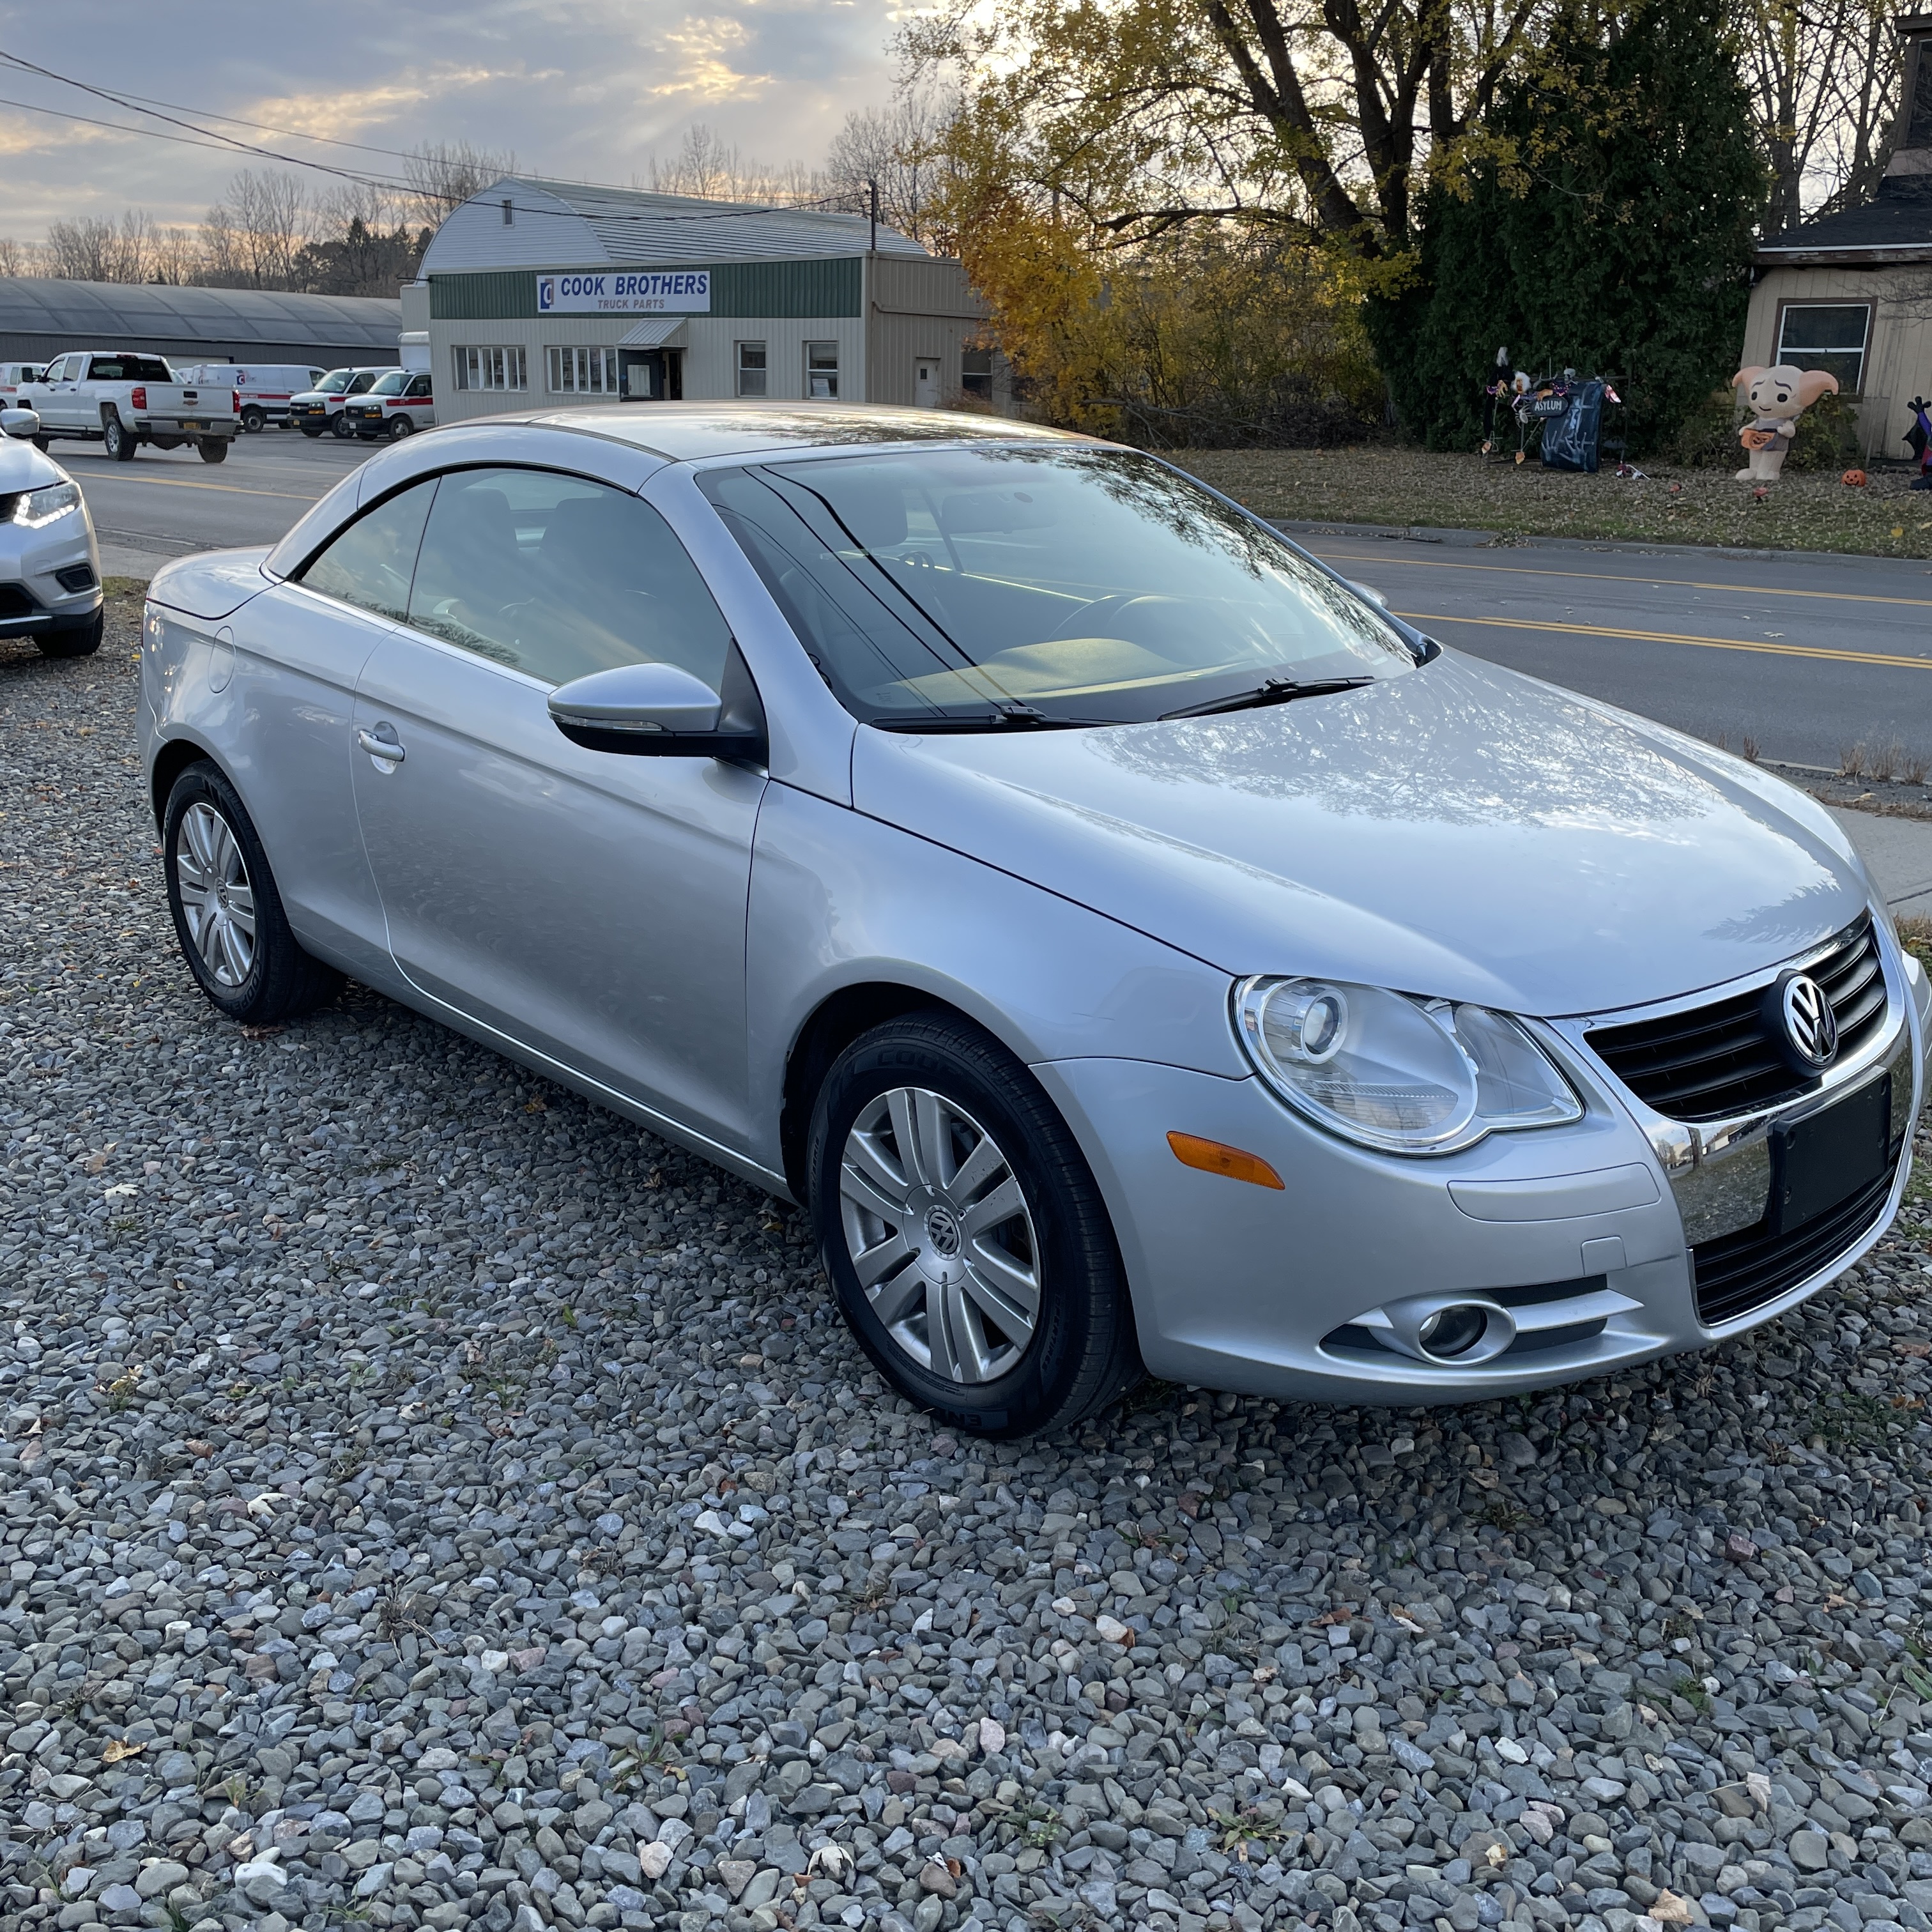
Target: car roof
x,y
689,432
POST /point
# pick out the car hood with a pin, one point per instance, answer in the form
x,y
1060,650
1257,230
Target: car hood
x,y
24,467
1460,831
215,583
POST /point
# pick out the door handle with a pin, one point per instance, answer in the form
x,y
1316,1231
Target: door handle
x,y
379,748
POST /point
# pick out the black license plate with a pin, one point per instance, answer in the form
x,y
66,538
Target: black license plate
x,y
1818,1162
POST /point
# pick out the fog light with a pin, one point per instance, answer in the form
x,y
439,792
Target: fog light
x,y
1451,1332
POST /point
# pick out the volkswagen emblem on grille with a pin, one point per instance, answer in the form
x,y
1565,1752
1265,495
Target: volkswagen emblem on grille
x,y
1810,1027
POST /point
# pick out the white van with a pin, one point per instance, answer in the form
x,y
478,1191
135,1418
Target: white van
x,y
13,374
265,387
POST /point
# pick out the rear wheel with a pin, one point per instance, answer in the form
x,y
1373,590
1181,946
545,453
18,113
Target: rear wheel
x,y
228,915
254,420
118,438
82,642
964,1233
213,448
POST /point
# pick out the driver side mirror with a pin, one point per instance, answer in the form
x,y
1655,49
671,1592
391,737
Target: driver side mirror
x,y
658,710
19,422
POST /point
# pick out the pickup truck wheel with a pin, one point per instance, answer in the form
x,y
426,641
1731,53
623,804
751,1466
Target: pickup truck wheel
x,y
43,443
228,915
213,448
82,642
254,420
965,1238
119,440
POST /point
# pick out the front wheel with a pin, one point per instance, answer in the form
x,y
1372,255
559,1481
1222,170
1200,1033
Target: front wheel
x,y
118,440
964,1233
311,430
228,915
213,448
399,427
340,424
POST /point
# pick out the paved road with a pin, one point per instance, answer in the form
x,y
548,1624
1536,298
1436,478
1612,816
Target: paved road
x,y
1802,655
167,502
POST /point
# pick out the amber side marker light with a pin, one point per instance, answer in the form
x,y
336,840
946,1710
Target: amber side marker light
x,y
1215,1157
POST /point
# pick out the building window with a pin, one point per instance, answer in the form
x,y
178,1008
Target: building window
x,y
752,371
583,372
821,371
509,212
490,368
976,373
1831,336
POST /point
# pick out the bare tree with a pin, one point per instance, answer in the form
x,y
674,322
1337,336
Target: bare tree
x,y
897,147
87,249
19,258
708,167
443,174
252,236
1823,79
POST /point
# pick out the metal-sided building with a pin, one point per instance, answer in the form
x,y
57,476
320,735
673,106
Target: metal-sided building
x,y
40,316
537,291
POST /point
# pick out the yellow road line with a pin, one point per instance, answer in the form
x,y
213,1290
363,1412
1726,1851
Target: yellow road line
x,y
182,483
1675,637
1611,577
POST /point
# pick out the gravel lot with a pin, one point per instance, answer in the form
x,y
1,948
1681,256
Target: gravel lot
x,y
428,1500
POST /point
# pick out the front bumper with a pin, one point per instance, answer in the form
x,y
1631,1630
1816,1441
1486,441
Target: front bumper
x,y
34,599
1579,1231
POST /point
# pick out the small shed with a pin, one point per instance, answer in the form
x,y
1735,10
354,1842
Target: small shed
x,y
1851,292
536,290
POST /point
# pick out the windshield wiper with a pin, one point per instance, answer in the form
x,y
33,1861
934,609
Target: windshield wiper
x,y
1007,717
1270,690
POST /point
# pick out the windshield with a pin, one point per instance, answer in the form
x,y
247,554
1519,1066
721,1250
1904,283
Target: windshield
x,y
333,383
391,384
1061,583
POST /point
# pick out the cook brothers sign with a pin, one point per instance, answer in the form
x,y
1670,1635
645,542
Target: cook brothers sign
x,y
626,291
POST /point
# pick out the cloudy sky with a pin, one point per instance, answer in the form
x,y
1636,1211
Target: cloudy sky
x,y
586,89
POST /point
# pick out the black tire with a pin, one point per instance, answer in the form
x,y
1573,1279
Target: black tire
x,y
254,420
213,448
1082,1352
400,426
43,443
311,430
281,980
120,442
339,425
82,642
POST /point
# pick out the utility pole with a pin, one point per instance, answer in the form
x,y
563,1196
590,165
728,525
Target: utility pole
x,y
872,187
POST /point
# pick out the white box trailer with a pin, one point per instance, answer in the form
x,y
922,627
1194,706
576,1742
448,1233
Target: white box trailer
x,y
413,346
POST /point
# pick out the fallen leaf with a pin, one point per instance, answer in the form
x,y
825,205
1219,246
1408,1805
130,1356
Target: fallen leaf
x,y
118,1748
1669,1910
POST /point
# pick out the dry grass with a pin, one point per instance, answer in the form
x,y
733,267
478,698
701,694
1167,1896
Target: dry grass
x,y
1409,487
1914,934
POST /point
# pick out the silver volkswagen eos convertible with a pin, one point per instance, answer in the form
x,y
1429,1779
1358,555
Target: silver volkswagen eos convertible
x,y
1135,948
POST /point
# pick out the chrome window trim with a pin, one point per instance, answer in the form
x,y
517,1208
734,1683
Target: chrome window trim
x,y
1720,1170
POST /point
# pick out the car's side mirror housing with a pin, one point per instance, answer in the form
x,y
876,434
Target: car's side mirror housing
x,y
659,710
19,422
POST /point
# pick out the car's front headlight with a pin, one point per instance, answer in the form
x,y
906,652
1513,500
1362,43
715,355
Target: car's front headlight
x,y
37,507
1401,1075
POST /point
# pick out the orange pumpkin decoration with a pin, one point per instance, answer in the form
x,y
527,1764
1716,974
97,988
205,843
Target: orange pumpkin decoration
x,y
1854,479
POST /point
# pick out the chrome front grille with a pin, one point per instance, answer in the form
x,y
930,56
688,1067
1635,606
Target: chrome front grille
x,y
1716,1061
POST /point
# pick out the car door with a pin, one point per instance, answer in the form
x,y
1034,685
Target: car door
x,y
588,905
299,650
53,396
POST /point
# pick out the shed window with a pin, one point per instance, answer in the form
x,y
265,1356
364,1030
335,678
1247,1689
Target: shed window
x,y
490,368
976,373
583,372
751,369
1831,336
821,371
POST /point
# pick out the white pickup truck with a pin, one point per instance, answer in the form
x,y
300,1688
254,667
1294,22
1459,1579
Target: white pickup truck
x,y
122,399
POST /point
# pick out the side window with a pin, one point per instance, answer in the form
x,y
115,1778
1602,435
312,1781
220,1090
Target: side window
x,y
557,577
368,564
57,370
419,386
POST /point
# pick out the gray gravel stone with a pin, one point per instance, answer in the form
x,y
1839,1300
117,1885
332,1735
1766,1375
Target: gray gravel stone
x,y
426,1499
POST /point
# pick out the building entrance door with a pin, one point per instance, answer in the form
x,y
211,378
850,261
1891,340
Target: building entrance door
x,y
925,383
652,375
